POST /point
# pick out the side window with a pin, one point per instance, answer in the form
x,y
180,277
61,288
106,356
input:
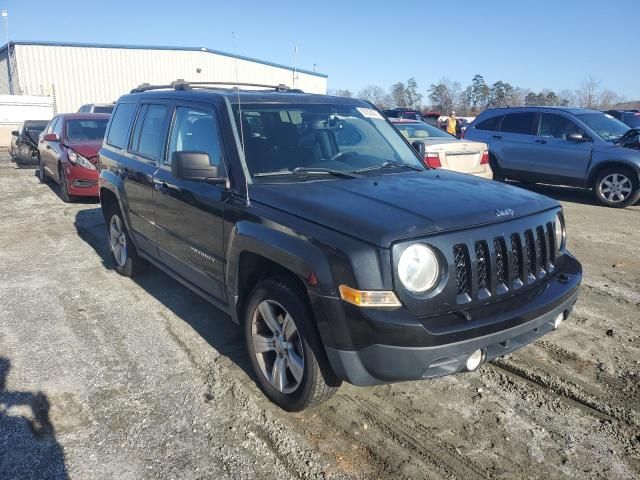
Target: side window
x,y
556,126
149,135
492,124
522,123
120,123
195,130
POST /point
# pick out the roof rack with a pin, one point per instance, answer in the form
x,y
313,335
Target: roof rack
x,y
186,85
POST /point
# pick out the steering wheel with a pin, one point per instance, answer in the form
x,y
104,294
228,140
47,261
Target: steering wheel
x,y
340,155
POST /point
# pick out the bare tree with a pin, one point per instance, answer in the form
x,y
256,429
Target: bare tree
x,y
376,95
588,95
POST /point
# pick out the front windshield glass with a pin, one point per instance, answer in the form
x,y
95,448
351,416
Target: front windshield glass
x,y
607,127
421,131
301,140
86,130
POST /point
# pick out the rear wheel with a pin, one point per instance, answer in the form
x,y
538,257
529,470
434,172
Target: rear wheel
x,y
64,187
617,187
42,174
284,347
128,263
495,168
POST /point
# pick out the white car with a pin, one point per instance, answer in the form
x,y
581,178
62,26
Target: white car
x,y
446,151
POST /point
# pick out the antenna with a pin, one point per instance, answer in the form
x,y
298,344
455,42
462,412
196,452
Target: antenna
x,y
246,179
295,65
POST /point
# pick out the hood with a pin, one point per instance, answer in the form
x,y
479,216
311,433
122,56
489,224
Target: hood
x,y
631,139
87,149
384,208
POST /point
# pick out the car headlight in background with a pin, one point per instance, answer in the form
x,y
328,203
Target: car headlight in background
x,y
79,160
418,268
561,235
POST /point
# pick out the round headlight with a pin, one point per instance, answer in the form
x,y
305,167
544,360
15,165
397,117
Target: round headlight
x,y
418,268
560,233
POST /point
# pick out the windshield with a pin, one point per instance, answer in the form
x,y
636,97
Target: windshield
x,y
86,130
421,131
607,127
340,138
103,109
36,125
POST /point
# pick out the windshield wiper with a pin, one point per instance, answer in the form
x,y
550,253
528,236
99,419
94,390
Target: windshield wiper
x,y
389,164
310,171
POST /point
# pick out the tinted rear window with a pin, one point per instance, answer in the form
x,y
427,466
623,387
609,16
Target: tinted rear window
x,y
491,124
103,109
120,122
522,123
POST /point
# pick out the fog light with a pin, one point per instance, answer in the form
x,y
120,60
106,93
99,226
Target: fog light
x,y
558,320
474,360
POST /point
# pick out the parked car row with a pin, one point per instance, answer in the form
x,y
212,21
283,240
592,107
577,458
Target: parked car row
x,y
340,241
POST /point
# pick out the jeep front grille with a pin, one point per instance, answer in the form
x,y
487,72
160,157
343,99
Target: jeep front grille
x,y
463,270
507,263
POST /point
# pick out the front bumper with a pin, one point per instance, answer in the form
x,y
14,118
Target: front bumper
x,y
81,181
409,348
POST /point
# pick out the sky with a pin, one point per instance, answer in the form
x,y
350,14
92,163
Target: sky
x,y
535,45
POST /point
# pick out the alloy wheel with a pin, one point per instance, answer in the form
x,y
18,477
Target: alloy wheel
x,y
615,187
277,346
118,240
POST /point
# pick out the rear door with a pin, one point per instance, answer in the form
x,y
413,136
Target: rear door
x,y
554,156
513,145
51,151
139,164
189,214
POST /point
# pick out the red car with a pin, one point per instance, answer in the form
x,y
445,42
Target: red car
x,y
68,153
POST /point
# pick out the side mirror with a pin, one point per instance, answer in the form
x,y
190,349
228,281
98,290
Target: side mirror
x,y
577,137
420,147
15,133
51,137
195,167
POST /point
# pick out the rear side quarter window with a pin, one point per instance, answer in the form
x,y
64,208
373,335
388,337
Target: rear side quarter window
x,y
491,124
120,123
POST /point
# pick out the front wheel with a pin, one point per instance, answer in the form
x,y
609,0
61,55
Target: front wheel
x,y
284,347
64,187
617,187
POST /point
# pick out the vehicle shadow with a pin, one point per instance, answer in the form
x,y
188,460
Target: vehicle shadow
x,y
56,189
29,447
213,325
562,193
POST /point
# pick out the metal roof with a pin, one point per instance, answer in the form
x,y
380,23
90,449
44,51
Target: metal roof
x,y
151,47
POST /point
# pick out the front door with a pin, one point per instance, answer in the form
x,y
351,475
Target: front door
x,y
556,157
189,215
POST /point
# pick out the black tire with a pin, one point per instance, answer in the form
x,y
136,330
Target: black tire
x,y
41,173
618,194
318,382
64,189
129,264
498,176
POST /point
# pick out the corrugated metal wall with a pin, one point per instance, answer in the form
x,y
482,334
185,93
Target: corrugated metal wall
x,y
4,72
79,75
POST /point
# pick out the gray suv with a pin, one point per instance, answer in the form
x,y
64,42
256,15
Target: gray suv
x,y
564,146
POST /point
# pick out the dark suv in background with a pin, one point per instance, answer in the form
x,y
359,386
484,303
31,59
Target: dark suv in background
x,y
630,117
313,223
563,146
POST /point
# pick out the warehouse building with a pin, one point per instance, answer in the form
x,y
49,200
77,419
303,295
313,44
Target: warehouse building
x,y
75,74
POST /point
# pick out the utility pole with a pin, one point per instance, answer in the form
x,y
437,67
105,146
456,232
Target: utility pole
x,y
5,21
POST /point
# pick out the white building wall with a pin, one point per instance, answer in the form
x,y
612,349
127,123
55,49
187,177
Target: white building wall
x,y
76,75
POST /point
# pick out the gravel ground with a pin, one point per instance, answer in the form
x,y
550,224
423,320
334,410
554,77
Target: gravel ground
x,y
107,377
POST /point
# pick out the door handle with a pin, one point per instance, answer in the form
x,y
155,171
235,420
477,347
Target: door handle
x,y
541,141
497,137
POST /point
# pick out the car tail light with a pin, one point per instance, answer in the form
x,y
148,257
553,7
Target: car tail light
x,y
432,160
462,132
485,158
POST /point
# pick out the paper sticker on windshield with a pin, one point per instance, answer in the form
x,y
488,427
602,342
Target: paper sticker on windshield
x,y
369,113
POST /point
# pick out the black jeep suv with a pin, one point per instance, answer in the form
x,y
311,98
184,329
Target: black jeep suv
x,y
316,226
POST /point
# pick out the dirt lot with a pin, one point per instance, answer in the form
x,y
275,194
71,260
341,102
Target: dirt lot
x,y
107,377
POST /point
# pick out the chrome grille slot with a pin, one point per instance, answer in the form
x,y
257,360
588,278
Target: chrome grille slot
x,y
463,273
